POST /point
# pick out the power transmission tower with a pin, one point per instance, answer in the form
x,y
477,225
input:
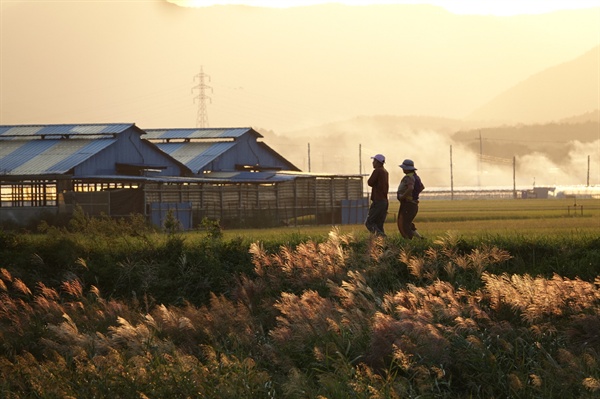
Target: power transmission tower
x,y
202,117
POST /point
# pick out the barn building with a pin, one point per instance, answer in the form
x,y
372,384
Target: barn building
x,y
49,168
120,169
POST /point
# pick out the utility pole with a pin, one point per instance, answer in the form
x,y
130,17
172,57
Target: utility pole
x,y
479,163
308,157
360,159
514,177
451,176
202,117
588,173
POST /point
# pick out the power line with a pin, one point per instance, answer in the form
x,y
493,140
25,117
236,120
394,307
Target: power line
x,y
520,140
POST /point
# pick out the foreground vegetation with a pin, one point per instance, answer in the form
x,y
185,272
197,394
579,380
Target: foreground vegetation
x,y
111,309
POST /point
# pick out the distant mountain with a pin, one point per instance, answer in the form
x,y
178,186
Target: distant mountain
x,y
382,124
556,93
553,140
592,116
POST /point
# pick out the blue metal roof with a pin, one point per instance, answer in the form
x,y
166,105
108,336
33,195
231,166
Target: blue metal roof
x,y
20,132
39,157
195,155
198,133
213,178
254,177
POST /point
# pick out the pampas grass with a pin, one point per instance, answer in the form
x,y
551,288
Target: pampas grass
x,y
339,318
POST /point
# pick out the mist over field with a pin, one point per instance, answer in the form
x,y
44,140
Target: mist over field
x,y
346,148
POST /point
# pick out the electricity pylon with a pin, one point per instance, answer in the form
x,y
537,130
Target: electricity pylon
x,y
202,116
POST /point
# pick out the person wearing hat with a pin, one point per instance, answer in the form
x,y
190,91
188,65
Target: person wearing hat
x,y
379,183
408,195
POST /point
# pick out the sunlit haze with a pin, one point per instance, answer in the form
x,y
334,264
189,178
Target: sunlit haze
x,y
348,79
482,7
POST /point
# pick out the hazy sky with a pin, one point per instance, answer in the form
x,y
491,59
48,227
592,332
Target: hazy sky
x,y
482,7
275,69
272,68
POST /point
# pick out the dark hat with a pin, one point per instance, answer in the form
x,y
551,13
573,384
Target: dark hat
x,y
408,164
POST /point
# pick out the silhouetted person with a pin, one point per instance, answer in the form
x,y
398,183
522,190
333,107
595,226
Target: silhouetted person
x,y
408,194
379,183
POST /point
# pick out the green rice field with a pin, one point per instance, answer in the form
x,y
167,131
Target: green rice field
x,y
473,218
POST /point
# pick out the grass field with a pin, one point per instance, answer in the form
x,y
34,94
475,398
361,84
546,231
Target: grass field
x,y
471,218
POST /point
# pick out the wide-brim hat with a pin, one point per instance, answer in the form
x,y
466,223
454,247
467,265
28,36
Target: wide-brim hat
x,y
379,157
408,164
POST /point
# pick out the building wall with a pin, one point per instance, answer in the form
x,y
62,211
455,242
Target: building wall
x,y
304,200
129,149
247,151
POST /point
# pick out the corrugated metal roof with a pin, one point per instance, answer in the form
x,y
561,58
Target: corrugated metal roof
x,y
214,177
223,177
198,133
19,132
246,177
195,155
39,157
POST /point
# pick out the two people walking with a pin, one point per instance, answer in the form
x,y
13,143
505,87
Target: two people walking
x,y
408,194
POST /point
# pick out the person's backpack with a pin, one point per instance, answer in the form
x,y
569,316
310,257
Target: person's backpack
x,y
418,187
